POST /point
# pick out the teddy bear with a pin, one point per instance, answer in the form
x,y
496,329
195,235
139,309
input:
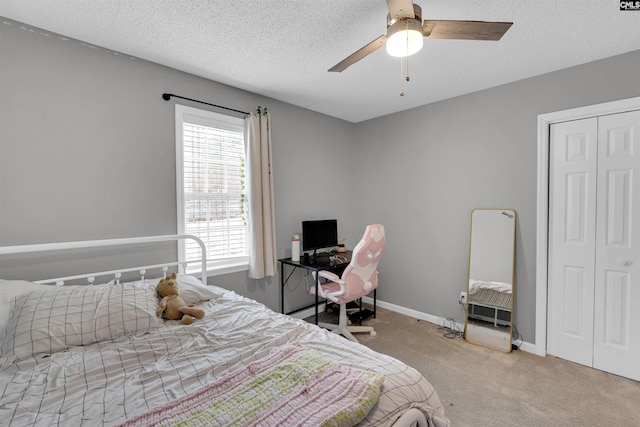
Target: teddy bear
x,y
174,307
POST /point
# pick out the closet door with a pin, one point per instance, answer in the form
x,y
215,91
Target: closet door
x,y
594,243
617,290
572,225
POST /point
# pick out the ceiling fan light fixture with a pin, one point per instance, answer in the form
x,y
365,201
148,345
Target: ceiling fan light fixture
x,y
404,38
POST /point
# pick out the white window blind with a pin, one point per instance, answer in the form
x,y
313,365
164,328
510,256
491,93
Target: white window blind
x,y
211,187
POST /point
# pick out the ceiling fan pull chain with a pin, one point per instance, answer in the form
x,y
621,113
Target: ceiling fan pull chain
x,y
402,76
407,57
406,67
404,60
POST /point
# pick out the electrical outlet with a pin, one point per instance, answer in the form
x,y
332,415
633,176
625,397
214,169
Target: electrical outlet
x,y
463,298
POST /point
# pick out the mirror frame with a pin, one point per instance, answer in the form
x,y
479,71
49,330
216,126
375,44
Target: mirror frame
x,y
488,338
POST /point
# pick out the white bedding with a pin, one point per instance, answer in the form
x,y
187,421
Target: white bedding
x,y
476,285
106,382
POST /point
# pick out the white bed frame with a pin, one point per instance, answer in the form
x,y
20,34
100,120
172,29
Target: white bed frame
x,y
410,418
91,277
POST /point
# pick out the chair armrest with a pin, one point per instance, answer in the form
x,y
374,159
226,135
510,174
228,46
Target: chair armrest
x,y
329,276
332,277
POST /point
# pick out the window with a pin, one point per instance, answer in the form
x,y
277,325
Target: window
x,y
211,192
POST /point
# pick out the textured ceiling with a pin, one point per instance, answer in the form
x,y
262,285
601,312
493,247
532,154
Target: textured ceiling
x,y
283,48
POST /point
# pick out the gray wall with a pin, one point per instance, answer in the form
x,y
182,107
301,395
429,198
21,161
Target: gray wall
x,y
425,170
87,152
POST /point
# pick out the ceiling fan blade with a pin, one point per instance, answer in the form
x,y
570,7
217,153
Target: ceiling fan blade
x,y
464,30
401,8
359,54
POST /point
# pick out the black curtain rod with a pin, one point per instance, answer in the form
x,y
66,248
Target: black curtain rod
x,y
167,96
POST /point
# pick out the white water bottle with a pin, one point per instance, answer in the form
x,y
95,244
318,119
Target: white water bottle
x,y
295,248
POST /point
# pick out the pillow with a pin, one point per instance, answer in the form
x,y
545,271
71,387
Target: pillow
x,y
193,291
54,320
10,289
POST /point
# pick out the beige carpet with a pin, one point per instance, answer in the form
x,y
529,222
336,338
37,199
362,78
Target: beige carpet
x,y
482,387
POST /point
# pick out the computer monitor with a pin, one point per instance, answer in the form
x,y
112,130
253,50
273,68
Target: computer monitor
x,y
319,234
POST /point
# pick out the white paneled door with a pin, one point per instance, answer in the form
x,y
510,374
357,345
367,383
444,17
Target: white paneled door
x,y
594,243
572,224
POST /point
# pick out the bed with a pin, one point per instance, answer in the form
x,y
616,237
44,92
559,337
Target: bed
x,y
96,353
490,301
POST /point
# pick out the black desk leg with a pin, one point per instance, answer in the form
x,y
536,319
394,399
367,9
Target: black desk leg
x,y
317,284
374,302
282,287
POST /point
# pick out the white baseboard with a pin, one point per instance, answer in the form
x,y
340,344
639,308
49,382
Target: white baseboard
x,y
307,312
436,320
528,347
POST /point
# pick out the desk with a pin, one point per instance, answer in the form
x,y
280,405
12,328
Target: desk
x,y
312,267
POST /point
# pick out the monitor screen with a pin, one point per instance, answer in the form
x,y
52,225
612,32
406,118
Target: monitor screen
x,y
319,234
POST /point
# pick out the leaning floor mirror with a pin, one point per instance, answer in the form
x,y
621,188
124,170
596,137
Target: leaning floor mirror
x,y
489,311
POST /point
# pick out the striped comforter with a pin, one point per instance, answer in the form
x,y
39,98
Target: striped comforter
x,y
109,382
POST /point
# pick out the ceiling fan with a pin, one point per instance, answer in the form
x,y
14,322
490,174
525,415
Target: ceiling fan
x,y
406,31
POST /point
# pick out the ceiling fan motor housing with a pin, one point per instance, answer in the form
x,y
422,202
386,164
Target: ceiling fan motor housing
x,y
392,20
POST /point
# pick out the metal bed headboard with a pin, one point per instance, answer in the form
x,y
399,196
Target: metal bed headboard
x,y
49,247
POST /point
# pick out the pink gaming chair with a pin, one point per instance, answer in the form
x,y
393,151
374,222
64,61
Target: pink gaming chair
x,y
359,278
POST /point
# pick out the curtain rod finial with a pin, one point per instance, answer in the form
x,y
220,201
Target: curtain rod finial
x,y
166,96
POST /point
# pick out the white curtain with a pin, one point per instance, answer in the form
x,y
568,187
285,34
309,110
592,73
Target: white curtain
x,y
262,230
